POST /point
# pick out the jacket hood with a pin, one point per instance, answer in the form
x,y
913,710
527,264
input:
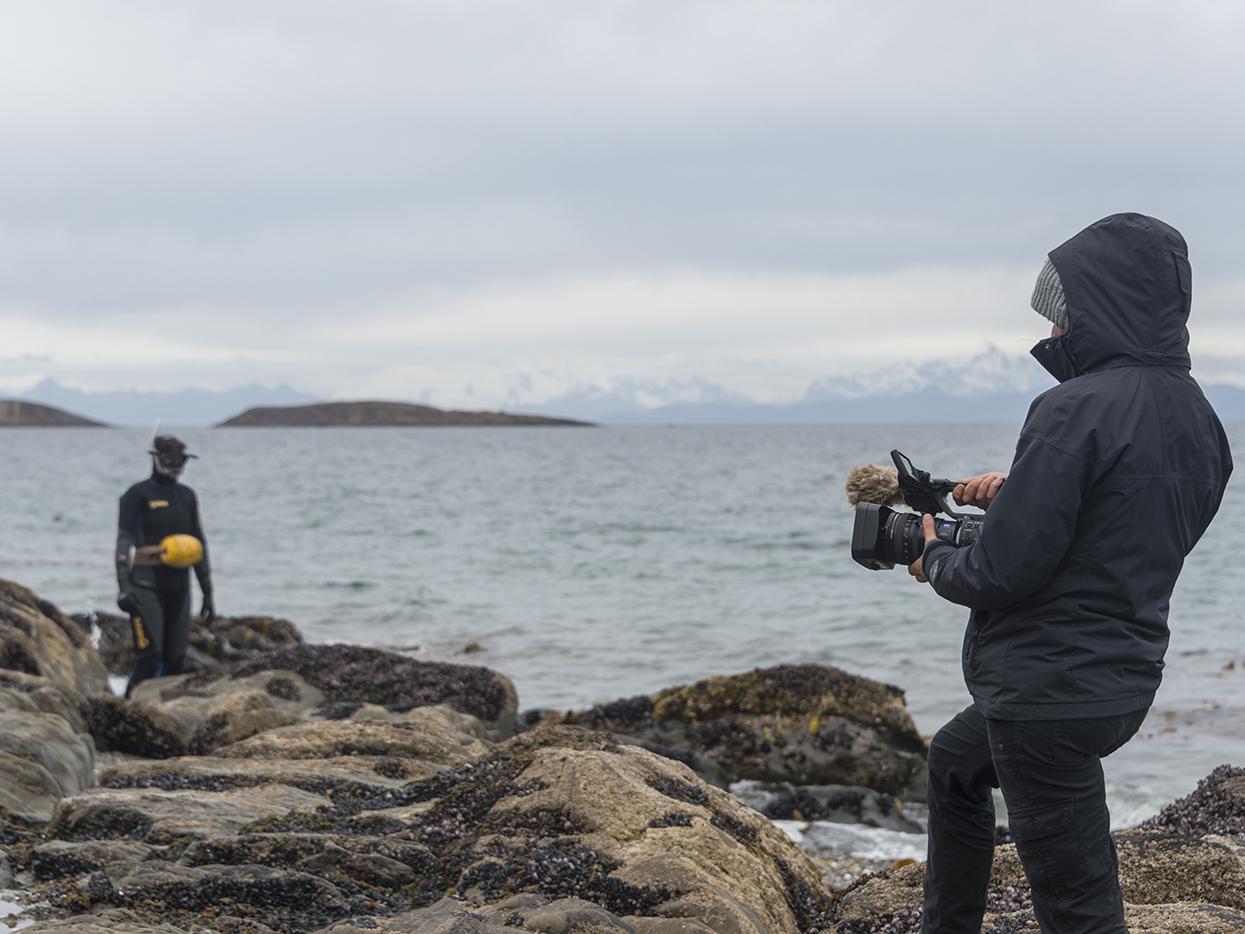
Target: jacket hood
x,y
1128,286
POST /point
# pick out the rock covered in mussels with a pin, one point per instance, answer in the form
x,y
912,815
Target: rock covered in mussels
x,y
1217,806
224,640
559,829
348,675
802,724
298,689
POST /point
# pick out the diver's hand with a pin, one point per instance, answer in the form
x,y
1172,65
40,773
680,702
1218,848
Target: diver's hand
x,y
127,603
207,612
979,491
917,567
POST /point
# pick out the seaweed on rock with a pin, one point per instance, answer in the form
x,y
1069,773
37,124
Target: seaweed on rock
x,y
361,675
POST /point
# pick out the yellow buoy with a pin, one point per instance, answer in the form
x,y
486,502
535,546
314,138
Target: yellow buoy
x,y
180,551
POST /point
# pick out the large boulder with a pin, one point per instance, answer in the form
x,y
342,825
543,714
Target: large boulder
x,y
42,760
29,693
799,724
38,639
45,752
559,829
563,812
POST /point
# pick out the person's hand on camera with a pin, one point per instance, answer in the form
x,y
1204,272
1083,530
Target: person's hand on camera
x,y
979,491
917,567
207,612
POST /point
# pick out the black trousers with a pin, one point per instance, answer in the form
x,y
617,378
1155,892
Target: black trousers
x,y
1050,772
161,630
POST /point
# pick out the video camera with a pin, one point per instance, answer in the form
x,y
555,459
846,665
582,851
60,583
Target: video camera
x,y
883,537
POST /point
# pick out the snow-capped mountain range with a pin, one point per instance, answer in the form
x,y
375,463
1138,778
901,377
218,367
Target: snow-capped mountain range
x,y
991,372
990,386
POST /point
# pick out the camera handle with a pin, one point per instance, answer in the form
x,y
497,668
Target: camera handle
x,y
921,492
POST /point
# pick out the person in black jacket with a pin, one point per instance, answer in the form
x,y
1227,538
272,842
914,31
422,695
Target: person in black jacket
x,y
157,598
1118,471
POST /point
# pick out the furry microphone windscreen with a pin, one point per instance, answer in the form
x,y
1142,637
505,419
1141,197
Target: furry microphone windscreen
x,y
869,483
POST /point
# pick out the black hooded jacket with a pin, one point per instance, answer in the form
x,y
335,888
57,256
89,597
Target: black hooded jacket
x,y
1117,473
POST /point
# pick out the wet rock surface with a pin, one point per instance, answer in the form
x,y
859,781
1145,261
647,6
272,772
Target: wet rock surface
x,y
42,759
560,829
45,751
38,639
801,724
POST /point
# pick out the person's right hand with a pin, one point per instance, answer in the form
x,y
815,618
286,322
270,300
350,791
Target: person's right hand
x,y
127,603
979,491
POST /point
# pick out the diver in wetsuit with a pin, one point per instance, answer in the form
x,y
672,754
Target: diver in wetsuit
x,y
156,596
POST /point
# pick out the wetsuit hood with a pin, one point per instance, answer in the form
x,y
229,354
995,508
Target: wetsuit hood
x,y
1128,287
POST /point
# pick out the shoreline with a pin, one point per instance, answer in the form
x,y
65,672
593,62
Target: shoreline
x,y
341,788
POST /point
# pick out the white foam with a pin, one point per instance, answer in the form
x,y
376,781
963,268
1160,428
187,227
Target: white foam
x,y
855,839
9,909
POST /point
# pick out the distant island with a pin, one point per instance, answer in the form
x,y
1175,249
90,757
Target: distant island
x,y
380,414
17,413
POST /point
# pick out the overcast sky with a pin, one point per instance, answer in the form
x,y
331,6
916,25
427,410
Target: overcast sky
x,y
489,203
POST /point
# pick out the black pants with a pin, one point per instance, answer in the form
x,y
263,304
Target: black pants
x,y
161,630
1050,772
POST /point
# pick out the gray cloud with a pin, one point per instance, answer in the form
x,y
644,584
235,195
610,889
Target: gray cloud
x,y
244,176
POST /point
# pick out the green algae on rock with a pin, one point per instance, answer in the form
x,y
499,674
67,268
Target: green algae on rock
x,y
802,724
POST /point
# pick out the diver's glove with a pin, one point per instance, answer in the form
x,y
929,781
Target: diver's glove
x,y
128,603
207,612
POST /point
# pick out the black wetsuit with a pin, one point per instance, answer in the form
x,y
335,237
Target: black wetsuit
x,y
158,598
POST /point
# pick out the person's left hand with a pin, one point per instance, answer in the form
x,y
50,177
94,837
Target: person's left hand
x,y
207,612
917,567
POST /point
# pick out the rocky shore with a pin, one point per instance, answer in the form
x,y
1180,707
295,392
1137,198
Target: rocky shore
x,y
293,787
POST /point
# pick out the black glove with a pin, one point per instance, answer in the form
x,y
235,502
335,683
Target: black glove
x,y
207,612
128,603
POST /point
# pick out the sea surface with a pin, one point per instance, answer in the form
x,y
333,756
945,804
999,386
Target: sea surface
x,y
597,563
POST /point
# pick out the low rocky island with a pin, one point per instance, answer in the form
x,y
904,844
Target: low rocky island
x,y
292,787
381,415
18,413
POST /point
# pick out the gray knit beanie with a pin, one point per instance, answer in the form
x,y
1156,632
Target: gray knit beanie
x,y
1048,299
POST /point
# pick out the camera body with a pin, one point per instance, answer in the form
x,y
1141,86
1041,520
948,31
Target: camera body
x,y
883,537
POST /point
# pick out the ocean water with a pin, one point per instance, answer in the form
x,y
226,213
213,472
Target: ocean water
x,y
591,564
